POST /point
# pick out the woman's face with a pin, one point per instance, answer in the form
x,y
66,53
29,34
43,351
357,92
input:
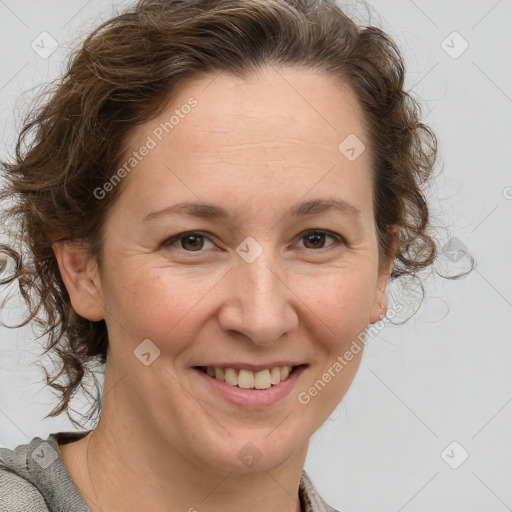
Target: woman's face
x,y
267,279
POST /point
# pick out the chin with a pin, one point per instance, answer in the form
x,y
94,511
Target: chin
x,y
248,454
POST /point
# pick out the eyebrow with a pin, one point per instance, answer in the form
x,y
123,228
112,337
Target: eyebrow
x,y
206,210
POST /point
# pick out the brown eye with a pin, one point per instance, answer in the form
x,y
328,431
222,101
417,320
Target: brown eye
x,y
316,239
193,241
190,241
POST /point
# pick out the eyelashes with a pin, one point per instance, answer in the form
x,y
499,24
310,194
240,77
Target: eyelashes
x,y
187,234
194,240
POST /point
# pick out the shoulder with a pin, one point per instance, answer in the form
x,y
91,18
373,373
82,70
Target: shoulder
x,y
34,478
17,492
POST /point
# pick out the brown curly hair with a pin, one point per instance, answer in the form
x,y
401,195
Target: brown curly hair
x,y
124,74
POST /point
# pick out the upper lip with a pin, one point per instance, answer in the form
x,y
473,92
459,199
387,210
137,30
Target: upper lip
x,y
251,367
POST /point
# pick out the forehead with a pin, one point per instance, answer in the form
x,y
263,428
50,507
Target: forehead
x,y
306,104
277,126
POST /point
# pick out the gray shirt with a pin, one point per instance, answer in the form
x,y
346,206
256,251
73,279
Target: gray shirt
x,y
34,478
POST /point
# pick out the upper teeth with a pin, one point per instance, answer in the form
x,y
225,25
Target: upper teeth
x,y
250,380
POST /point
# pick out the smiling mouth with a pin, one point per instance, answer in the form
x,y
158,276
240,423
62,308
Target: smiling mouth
x,y
247,379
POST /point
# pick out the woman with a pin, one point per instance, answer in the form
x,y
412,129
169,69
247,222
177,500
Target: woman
x,y
215,198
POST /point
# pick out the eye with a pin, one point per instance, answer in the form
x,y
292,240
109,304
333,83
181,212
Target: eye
x,y
194,241
191,241
315,238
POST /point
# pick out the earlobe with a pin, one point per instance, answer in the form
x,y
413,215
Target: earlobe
x,y
380,305
380,302
80,275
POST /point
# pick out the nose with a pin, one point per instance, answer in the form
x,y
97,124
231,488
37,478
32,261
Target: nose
x,y
259,302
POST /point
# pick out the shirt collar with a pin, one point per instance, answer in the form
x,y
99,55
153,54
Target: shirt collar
x,y
310,500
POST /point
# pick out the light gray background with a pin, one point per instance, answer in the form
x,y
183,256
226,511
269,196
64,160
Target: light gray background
x,y
446,375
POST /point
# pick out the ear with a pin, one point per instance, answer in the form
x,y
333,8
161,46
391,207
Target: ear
x,y
81,277
380,301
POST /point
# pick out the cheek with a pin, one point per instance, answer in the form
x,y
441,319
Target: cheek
x,y
164,304
345,308
345,296
145,304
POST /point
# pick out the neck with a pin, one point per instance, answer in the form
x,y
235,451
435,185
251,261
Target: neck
x,y
131,468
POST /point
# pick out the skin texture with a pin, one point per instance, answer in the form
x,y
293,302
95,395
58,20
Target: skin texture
x,y
256,147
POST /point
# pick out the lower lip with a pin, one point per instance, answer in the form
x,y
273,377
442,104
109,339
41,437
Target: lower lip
x,y
252,398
